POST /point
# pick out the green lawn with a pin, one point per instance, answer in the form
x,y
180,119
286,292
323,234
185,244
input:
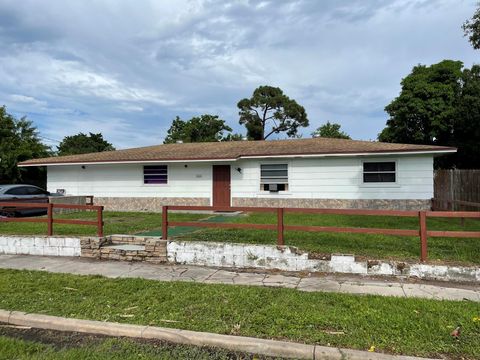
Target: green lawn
x,y
115,223
53,346
395,325
457,250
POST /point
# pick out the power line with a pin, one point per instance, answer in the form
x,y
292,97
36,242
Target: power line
x,y
50,139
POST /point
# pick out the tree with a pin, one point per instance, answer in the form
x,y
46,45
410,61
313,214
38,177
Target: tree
x,y
19,141
233,137
202,128
423,112
83,144
268,105
471,29
330,130
439,105
467,122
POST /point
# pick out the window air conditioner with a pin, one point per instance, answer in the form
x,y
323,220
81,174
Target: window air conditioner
x,y
273,187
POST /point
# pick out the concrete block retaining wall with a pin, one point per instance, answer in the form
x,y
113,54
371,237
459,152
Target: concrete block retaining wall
x,y
290,259
39,245
266,257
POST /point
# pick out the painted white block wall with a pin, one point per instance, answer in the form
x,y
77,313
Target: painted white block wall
x,y
309,178
39,245
338,178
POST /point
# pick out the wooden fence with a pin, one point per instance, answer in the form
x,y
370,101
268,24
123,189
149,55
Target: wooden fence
x,y
456,190
50,220
422,232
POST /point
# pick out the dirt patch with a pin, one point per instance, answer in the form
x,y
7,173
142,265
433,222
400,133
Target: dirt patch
x,y
69,340
56,339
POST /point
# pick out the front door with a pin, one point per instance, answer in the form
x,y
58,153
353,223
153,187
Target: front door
x,y
221,185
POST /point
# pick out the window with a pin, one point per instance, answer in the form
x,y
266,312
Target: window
x,y
32,190
155,174
22,190
379,172
274,177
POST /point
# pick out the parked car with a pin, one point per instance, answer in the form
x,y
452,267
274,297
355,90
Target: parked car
x,y
23,193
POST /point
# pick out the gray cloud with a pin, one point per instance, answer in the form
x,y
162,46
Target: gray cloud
x,y
127,68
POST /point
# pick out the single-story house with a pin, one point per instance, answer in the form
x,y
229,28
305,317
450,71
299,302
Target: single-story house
x,y
316,172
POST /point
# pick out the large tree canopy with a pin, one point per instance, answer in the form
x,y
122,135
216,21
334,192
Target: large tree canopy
x,y
471,29
19,142
269,111
467,121
83,144
330,130
202,128
439,105
423,112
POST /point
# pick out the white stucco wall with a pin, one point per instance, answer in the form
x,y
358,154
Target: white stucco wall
x,y
309,178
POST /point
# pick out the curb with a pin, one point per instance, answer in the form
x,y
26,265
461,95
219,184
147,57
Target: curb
x,y
186,337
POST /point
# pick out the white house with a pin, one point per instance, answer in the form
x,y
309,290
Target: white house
x,y
318,172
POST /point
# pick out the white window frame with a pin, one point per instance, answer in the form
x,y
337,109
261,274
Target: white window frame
x,y
155,185
379,184
263,192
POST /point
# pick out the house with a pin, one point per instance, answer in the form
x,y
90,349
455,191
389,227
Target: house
x,y
317,172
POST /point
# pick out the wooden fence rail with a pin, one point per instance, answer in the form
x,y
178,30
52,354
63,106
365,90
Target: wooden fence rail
x,y
422,232
451,205
50,220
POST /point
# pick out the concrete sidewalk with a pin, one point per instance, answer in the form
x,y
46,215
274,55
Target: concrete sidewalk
x,y
327,283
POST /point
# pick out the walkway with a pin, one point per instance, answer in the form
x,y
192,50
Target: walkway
x,y
176,231
330,283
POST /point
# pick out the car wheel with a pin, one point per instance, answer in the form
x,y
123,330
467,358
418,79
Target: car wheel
x,y
8,213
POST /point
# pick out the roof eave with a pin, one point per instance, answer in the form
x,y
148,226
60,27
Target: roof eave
x,y
365,153
258,156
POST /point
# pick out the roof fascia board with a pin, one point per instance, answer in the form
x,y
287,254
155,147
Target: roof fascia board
x,y
125,162
378,153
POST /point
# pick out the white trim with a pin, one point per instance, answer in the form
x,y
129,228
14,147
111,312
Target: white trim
x,y
376,154
155,185
379,184
274,193
396,153
126,162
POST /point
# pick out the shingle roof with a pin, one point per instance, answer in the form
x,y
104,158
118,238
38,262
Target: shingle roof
x,y
238,149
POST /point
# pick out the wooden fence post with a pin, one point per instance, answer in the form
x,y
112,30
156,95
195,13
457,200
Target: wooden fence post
x,y
164,222
50,219
280,239
100,221
422,217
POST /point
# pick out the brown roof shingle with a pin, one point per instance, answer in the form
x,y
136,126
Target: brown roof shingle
x,y
238,149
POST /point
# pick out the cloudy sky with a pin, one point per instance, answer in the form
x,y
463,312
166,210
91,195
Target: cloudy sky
x,y
126,68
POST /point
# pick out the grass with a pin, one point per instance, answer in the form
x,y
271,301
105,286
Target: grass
x,y
454,250
115,223
407,326
101,348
